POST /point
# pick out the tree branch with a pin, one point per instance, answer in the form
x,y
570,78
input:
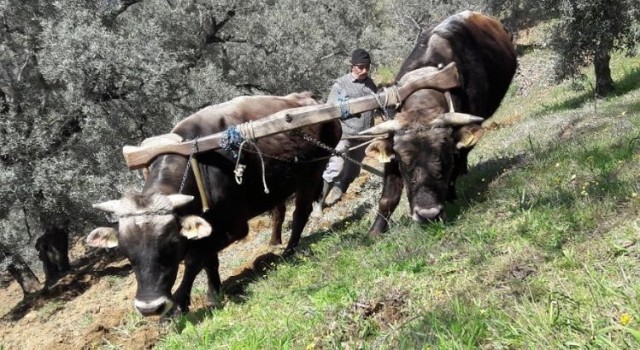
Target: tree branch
x,y
212,36
109,17
250,88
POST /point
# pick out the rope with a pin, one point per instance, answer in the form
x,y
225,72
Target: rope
x,y
242,134
396,96
239,170
382,105
344,106
391,96
231,140
247,131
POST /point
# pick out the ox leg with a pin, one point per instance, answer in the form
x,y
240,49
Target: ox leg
x,y
391,193
182,296
304,205
277,219
214,283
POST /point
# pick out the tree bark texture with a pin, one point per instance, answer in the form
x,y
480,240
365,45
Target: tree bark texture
x,y
23,274
604,82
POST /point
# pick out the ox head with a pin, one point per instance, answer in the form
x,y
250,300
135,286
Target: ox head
x,y
425,141
154,240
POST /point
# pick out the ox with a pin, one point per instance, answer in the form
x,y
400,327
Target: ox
x,y
162,226
426,152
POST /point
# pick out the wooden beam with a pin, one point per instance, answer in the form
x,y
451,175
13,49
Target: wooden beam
x,y
294,118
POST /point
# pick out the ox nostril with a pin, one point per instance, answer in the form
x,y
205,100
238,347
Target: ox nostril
x,y
426,214
158,306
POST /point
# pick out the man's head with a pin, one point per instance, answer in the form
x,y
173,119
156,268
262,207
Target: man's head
x,y
360,64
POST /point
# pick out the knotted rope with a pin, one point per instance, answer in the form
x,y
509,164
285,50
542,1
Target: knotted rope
x,y
391,96
343,102
236,136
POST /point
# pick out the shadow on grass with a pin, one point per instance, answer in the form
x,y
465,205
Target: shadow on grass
x,y
235,287
629,82
472,187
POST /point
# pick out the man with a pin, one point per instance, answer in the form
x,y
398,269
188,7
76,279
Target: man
x,y
340,173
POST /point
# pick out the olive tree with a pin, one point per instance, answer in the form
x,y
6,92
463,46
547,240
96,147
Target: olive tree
x,y
80,79
588,31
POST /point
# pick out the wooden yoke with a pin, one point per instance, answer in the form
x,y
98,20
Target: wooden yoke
x,y
294,118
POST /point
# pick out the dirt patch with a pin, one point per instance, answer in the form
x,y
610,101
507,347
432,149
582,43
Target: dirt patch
x,y
385,311
93,306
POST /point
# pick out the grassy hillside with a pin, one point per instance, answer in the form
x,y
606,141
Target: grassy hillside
x,y
541,249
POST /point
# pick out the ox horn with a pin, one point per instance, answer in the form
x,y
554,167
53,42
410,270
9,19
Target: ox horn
x,y
455,118
178,200
109,206
384,127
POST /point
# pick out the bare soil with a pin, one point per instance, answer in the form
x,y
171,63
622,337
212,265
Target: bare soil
x,y
93,306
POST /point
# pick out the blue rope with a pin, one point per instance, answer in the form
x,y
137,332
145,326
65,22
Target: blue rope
x,y
344,109
231,140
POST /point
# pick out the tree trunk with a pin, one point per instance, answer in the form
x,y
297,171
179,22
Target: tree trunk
x,y
23,274
53,251
604,83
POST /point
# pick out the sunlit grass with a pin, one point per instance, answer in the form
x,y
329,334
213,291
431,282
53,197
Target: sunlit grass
x,y
541,250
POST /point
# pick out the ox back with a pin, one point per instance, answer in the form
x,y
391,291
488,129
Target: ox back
x,y
484,54
164,224
429,160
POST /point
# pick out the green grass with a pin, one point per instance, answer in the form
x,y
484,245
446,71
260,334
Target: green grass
x,y
541,250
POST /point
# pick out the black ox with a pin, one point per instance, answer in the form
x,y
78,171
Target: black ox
x,y
426,152
162,226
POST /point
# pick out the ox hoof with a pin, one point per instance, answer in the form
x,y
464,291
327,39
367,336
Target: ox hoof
x,y
289,251
334,196
317,210
374,234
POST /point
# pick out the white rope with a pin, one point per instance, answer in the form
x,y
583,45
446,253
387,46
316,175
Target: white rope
x,y
391,96
395,94
248,134
381,105
239,170
247,131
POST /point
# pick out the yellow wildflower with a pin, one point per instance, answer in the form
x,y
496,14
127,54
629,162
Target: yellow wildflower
x,y
625,319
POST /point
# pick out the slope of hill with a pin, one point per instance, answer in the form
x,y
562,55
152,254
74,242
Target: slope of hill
x,y
541,249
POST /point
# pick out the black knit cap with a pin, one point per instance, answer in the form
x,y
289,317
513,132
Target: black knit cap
x,y
360,56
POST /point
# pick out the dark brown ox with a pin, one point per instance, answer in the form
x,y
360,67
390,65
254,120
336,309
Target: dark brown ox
x,y
428,150
162,226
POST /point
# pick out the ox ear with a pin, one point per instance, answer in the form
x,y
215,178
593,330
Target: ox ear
x,y
109,206
103,237
467,136
381,150
194,227
178,200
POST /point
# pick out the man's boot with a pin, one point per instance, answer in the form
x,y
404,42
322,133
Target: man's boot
x,y
336,195
320,204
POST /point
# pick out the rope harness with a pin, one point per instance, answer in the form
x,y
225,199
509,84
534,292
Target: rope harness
x,y
390,93
236,136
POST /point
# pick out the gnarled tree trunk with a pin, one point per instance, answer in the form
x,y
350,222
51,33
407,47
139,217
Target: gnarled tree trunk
x,y
23,274
53,251
604,82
